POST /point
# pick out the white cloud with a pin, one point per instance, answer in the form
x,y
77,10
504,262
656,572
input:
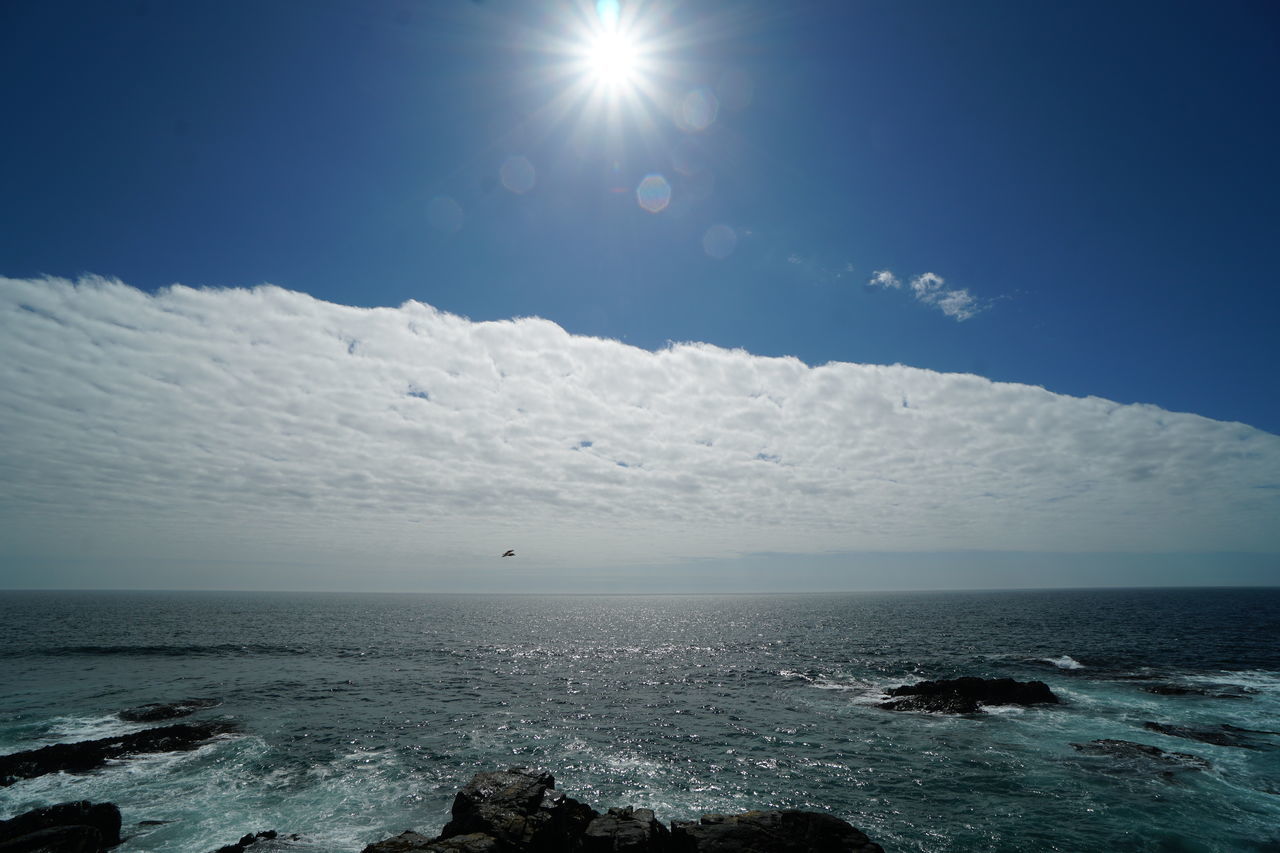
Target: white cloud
x,y
884,278
264,425
927,286
931,289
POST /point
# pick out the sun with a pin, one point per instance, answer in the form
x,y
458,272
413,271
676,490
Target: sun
x,y
612,59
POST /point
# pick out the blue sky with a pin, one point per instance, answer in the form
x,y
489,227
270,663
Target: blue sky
x,y
1080,198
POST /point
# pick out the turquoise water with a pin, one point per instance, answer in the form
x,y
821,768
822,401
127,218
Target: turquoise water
x,y
360,715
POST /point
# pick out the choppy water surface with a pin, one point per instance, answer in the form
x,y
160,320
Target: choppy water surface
x,y
361,715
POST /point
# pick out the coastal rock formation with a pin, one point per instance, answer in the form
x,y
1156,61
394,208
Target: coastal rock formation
x,y
519,811
91,754
81,827
967,695
156,711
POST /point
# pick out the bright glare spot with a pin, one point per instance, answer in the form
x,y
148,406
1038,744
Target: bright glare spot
x,y
612,58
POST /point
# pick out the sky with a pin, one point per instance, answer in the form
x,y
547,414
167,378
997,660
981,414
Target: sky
x,y
666,296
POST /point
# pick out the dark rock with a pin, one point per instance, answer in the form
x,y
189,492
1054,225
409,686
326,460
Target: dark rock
x,y
412,842
521,809
91,754
473,842
405,842
770,832
56,839
1219,737
102,819
1141,757
248,840
626,830
156,712
967,695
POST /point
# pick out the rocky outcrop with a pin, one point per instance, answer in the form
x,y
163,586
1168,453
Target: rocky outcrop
x,y
770,832
91,754
519,811
967,695
81,827
156,712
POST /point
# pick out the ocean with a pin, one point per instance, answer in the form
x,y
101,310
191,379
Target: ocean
x,y
359,716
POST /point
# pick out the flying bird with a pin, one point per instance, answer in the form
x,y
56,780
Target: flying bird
x,y
509,553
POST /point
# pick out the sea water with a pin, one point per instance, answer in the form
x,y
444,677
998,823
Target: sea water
x,y
359,716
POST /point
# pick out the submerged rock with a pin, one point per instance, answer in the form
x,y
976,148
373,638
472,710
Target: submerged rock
x,y
770,832
519,811
156,712
967,695
66,828
1220,737
1143,757
91,754
1224,691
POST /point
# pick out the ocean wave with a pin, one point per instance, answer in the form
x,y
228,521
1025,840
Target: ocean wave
x,y
1064,662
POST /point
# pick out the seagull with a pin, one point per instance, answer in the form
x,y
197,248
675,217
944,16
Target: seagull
x,y
509,553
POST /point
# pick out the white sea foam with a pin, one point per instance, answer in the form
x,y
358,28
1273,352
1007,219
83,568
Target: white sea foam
x,y
73,729
1064,662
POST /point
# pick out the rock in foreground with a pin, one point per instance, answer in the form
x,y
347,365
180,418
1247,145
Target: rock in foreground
x,y
520,811
66,828
967,695
91,754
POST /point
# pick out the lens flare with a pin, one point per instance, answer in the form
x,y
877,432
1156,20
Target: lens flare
x,y
518,175
654,193
719,241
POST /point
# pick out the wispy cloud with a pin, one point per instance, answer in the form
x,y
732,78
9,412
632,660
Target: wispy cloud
x,y
884,278
931,289
264,425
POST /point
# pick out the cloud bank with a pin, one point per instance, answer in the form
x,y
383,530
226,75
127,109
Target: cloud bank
x,y
264,426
